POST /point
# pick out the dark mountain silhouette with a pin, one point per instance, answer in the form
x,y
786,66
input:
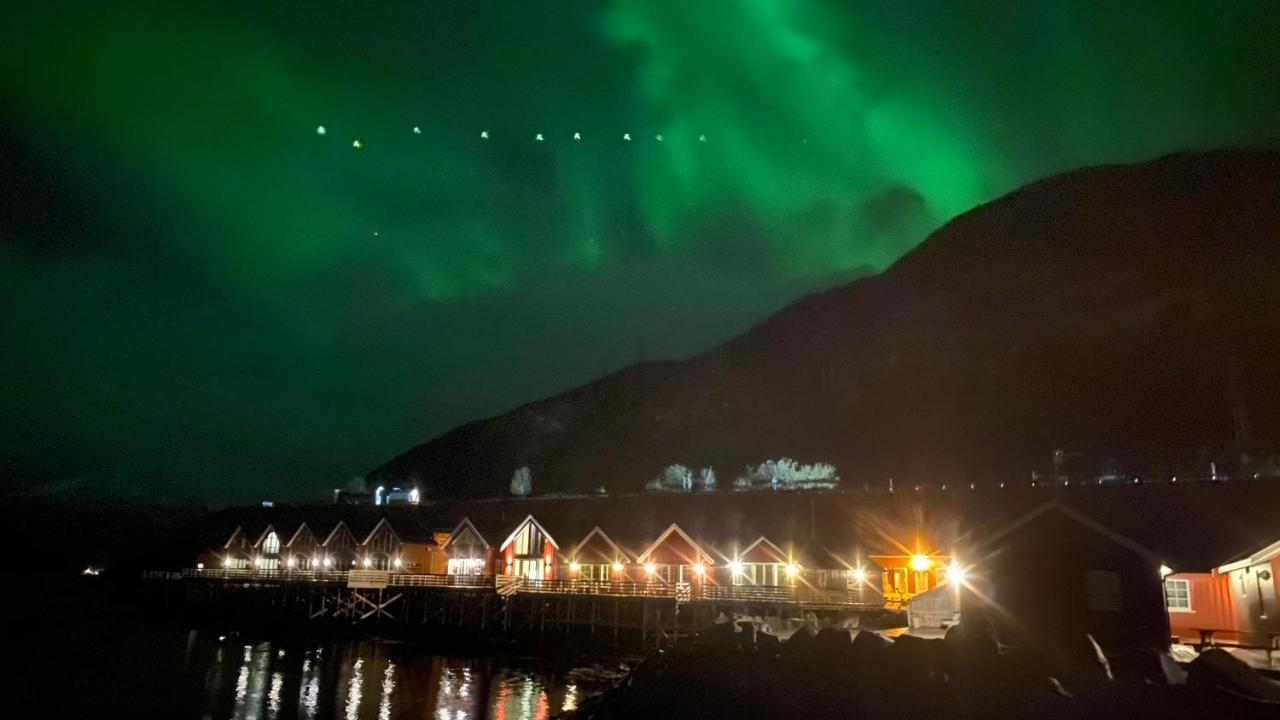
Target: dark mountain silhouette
x,y
1127,314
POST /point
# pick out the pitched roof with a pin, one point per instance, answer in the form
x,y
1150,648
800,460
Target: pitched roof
x,y
763,550
529,519
464,525
297,533
674,531
1267,553
339,527
1080,519
597,545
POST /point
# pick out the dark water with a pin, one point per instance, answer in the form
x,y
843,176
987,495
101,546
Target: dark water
x,y
372,679
78,662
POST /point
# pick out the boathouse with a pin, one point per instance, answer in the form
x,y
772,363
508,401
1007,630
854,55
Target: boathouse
x,y
1054,575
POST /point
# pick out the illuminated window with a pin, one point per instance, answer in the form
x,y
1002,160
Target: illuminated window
x,y
528,541
271,545
1177,595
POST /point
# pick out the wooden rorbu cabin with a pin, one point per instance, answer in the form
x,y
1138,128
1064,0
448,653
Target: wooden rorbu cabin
x,y
597,558
236,550
402,546
302,551
763,563
1235,603
822,569
903,577
380,549
1055,574
266,550
674,557
339,548
529,552
466,550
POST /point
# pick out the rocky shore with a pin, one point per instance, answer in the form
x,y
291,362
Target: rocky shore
x,y
737,671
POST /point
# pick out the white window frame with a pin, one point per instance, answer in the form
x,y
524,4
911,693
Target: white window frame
x,y
1186,585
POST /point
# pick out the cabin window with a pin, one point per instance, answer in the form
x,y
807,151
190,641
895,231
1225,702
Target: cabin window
x,y
466,566
271,545
529,541
384,542
1102,589
1177,595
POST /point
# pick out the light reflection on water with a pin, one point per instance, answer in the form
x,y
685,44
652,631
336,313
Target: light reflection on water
x,y
360,680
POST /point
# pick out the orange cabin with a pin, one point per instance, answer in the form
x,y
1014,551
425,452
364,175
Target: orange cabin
x,y
905,576
1233,603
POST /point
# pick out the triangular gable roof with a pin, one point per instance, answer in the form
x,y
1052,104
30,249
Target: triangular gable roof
x,y
817,556
674,529
293,538
263,535
238,531
766,549
1081,519
342,525
457,530
1269,552
621,555
528,519
374,531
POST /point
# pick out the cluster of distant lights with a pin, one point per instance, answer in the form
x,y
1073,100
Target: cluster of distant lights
x,y
1052,482
358,143
293,563
955,572
921,563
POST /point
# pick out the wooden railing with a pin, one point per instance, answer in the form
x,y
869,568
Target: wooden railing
x,y
798,594
259,574
452,581
595,587
507,586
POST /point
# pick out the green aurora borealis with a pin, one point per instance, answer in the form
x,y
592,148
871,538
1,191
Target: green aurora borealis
x,y
205,299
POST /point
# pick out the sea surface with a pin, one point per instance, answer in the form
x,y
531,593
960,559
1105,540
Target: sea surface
x,y
71,659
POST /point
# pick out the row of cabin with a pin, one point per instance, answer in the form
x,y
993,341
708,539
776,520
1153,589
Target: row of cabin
x,y
382,547
1045,574
530,551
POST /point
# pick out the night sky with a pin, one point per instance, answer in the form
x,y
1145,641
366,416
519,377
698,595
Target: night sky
x,y
204,298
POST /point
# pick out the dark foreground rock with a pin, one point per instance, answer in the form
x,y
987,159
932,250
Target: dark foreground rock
x,y
738,672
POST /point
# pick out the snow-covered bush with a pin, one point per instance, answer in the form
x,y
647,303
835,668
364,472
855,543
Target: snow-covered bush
x,y
674,478
787,474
